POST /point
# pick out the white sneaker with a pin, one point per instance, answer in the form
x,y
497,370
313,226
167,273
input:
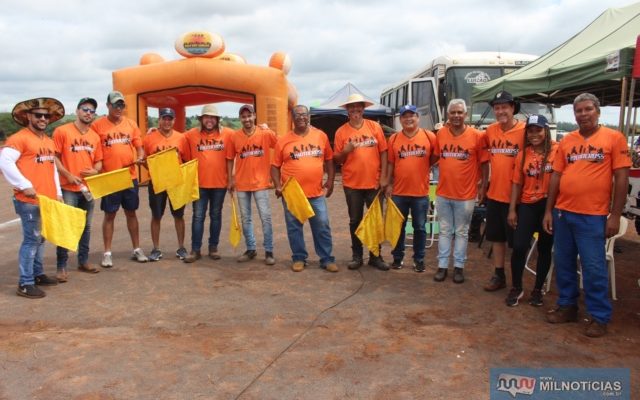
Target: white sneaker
x,y
106,261
138,255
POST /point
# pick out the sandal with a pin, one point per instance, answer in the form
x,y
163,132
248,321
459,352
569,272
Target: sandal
x,y
88,269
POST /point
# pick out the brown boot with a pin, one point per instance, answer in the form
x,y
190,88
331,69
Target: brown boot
x,y
595,329
192,257
563,314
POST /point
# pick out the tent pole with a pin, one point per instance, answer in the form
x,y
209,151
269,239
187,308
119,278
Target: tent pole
x,y
632,91
623,95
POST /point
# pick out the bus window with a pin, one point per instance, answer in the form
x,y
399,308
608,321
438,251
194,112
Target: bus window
x,y
422,96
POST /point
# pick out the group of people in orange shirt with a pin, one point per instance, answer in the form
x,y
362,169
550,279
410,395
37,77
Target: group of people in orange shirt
x,y
562,191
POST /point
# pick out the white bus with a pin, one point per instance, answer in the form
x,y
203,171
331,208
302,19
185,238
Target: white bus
x,y
455,76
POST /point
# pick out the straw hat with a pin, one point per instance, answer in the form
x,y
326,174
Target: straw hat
x,y
210,110
357,98
20,111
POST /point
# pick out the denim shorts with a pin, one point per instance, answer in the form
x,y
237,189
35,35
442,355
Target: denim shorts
x,y
127,198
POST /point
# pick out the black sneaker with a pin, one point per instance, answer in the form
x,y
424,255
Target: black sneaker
x,y
514,295
247,255
458,275
30,291
378,262
397,264
355,263
441,275
495,283
418,266
536,298
43,280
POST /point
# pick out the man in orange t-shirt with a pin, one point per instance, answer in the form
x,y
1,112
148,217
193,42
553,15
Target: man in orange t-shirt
x,y
208,145
361,149
120,138
163,138
505,139
249,147
462,155
411,155
27,162
78,155
305,154
587,162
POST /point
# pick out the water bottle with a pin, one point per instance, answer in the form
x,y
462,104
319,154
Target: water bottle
x,y
86,193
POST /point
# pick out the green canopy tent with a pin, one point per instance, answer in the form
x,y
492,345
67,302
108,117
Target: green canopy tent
x,y
599,60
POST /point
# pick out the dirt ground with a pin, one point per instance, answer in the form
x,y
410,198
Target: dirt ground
x,y
223,330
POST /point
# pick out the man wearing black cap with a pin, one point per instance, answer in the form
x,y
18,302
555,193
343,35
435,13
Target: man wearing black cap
x,y
120,138
28,164
505,139
78,155
165,137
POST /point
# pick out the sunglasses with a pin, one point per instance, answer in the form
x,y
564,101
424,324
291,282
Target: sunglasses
x,y
41,115
119,106
88,110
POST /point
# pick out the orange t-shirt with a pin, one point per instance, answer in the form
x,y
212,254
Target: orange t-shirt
x,y
156,142
303,158
410,159
534,186
36,163
361,168
253,159
77,150
210,151
587,167
119,143
460,159
503,147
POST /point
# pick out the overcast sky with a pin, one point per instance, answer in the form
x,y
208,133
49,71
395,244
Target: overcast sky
x,y
68,49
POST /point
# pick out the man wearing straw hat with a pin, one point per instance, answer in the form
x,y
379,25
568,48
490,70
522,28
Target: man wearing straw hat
x,y
120,138
361,149
28,164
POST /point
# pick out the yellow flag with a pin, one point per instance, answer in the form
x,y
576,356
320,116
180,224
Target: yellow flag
x,y
164,168
371,228
235,229
296,201
109,182
188,190
393,222
62,225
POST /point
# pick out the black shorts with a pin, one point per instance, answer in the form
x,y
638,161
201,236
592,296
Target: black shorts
x,y
127,198
158,203
497,229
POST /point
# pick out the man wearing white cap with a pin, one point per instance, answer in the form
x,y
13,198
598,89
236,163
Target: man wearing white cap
x,y
28,164
361,148
207,144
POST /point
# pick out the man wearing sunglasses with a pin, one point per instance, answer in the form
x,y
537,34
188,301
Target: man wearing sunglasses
x,y
120,138
28,164
78,155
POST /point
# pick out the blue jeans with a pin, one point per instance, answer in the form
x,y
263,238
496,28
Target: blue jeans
x,y
419,207
264,210
454,217
76,199
584,235
320,230
212,199
32,247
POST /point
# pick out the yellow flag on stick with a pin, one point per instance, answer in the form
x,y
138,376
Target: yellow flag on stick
x,y
164,168
109,182
187,191
371,228
235,229
297,203
393,222
62,225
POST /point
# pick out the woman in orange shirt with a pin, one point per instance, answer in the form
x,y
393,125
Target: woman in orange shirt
x,y
531,174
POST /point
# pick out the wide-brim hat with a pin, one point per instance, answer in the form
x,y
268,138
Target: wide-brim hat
x,y
210,110
54,107
503,97
356,98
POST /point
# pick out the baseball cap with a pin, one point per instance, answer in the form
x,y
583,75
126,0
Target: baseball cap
x,y
408,108
89,100
537,120
167,112
115,97
247,107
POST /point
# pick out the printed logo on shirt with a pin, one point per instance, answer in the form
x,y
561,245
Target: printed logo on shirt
x,y
117,138
305,150
210,145
412,151
163,147
533,169
79,145
454,152
505,148
582,153
251,151
363,141
45,155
